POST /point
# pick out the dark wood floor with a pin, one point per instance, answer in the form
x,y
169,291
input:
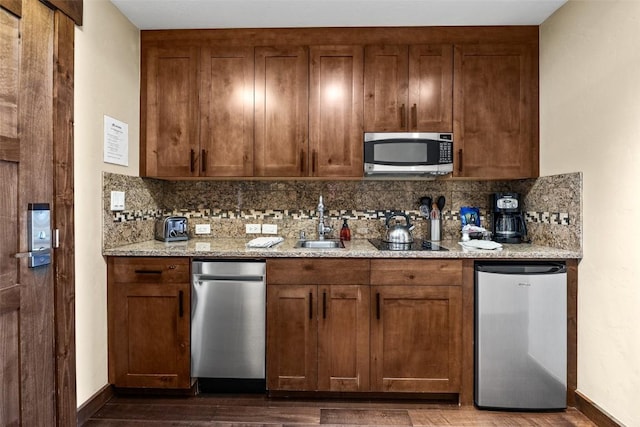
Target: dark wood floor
x,y
256,410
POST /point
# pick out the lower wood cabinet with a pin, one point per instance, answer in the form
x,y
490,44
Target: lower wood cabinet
x,y
292,335
343,338
149,316
318,325
415,339
416,325
329,330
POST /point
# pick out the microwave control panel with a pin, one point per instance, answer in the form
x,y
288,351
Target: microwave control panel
x,y
446,152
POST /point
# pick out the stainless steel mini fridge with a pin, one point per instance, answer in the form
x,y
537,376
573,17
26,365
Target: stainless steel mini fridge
x,y
521,335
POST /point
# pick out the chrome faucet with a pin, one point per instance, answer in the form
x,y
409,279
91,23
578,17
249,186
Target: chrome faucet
x,y
323,229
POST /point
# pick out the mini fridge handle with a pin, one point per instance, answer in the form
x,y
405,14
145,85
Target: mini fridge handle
x,y
523,268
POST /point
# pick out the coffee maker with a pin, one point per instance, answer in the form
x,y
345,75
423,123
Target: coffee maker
x,y
508,219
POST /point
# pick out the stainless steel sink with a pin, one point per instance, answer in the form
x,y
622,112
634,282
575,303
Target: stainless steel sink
x,y
320,244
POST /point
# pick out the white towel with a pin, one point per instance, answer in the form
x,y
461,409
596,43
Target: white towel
x,y
481,244
264,242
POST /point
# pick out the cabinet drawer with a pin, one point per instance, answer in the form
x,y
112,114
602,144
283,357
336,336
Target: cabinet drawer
x,y
149,270
318,271
416,272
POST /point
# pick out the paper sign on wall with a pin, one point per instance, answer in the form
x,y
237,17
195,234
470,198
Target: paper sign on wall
x,y
116,141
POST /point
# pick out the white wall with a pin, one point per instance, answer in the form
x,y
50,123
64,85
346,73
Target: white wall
x,y
107,58
590,122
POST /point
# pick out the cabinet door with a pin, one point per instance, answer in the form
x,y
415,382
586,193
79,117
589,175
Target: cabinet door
x,y
292,333
226,111
149,316
343,338
335,111
431,88
169,113
415,338
386,73
150,336
281,111
496,110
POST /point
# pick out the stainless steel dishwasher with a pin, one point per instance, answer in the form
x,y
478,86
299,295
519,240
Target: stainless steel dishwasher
x,y
521,335
228,305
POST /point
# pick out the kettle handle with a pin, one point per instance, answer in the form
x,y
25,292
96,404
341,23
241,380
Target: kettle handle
x,y
394,214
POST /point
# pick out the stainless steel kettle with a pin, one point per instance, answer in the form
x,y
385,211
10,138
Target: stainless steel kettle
x,y
399,233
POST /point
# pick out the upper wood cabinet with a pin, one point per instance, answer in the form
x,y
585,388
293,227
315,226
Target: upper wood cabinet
x,y
169,113
281,111
226,111
291,103
197,112
408,88
335,111
308,111
496,111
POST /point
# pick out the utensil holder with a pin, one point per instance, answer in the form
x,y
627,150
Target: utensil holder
x,y
435,225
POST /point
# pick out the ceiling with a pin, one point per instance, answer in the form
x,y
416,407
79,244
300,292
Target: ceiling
x,y
182,14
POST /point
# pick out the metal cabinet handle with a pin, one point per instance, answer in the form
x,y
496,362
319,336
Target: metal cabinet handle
x,y
414,115
148,271
324,304
460,160
181,303
403,116
192,161
378,305
204,160
311,305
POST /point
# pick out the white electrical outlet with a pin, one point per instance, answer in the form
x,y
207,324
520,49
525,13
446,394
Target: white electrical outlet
x,y
252,228
203,228
269,229
117,200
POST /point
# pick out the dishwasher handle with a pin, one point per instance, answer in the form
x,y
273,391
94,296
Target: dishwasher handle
x,y
226,278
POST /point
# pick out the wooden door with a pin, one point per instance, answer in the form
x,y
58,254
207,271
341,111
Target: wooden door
x,y
415,338
169,113
335,111
386,73
281,111
431,88
292,337
343,338
496,110
32,373
149,318
226,111
10,290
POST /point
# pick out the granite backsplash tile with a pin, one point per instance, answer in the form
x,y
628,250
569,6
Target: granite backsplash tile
x,y
552,204
143,203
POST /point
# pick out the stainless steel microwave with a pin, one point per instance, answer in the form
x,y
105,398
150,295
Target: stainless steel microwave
x,y
408,153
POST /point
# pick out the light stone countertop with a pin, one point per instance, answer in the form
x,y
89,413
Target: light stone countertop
x,y
360,248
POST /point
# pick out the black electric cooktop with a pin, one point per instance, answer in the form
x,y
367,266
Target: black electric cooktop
x,y
417,245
